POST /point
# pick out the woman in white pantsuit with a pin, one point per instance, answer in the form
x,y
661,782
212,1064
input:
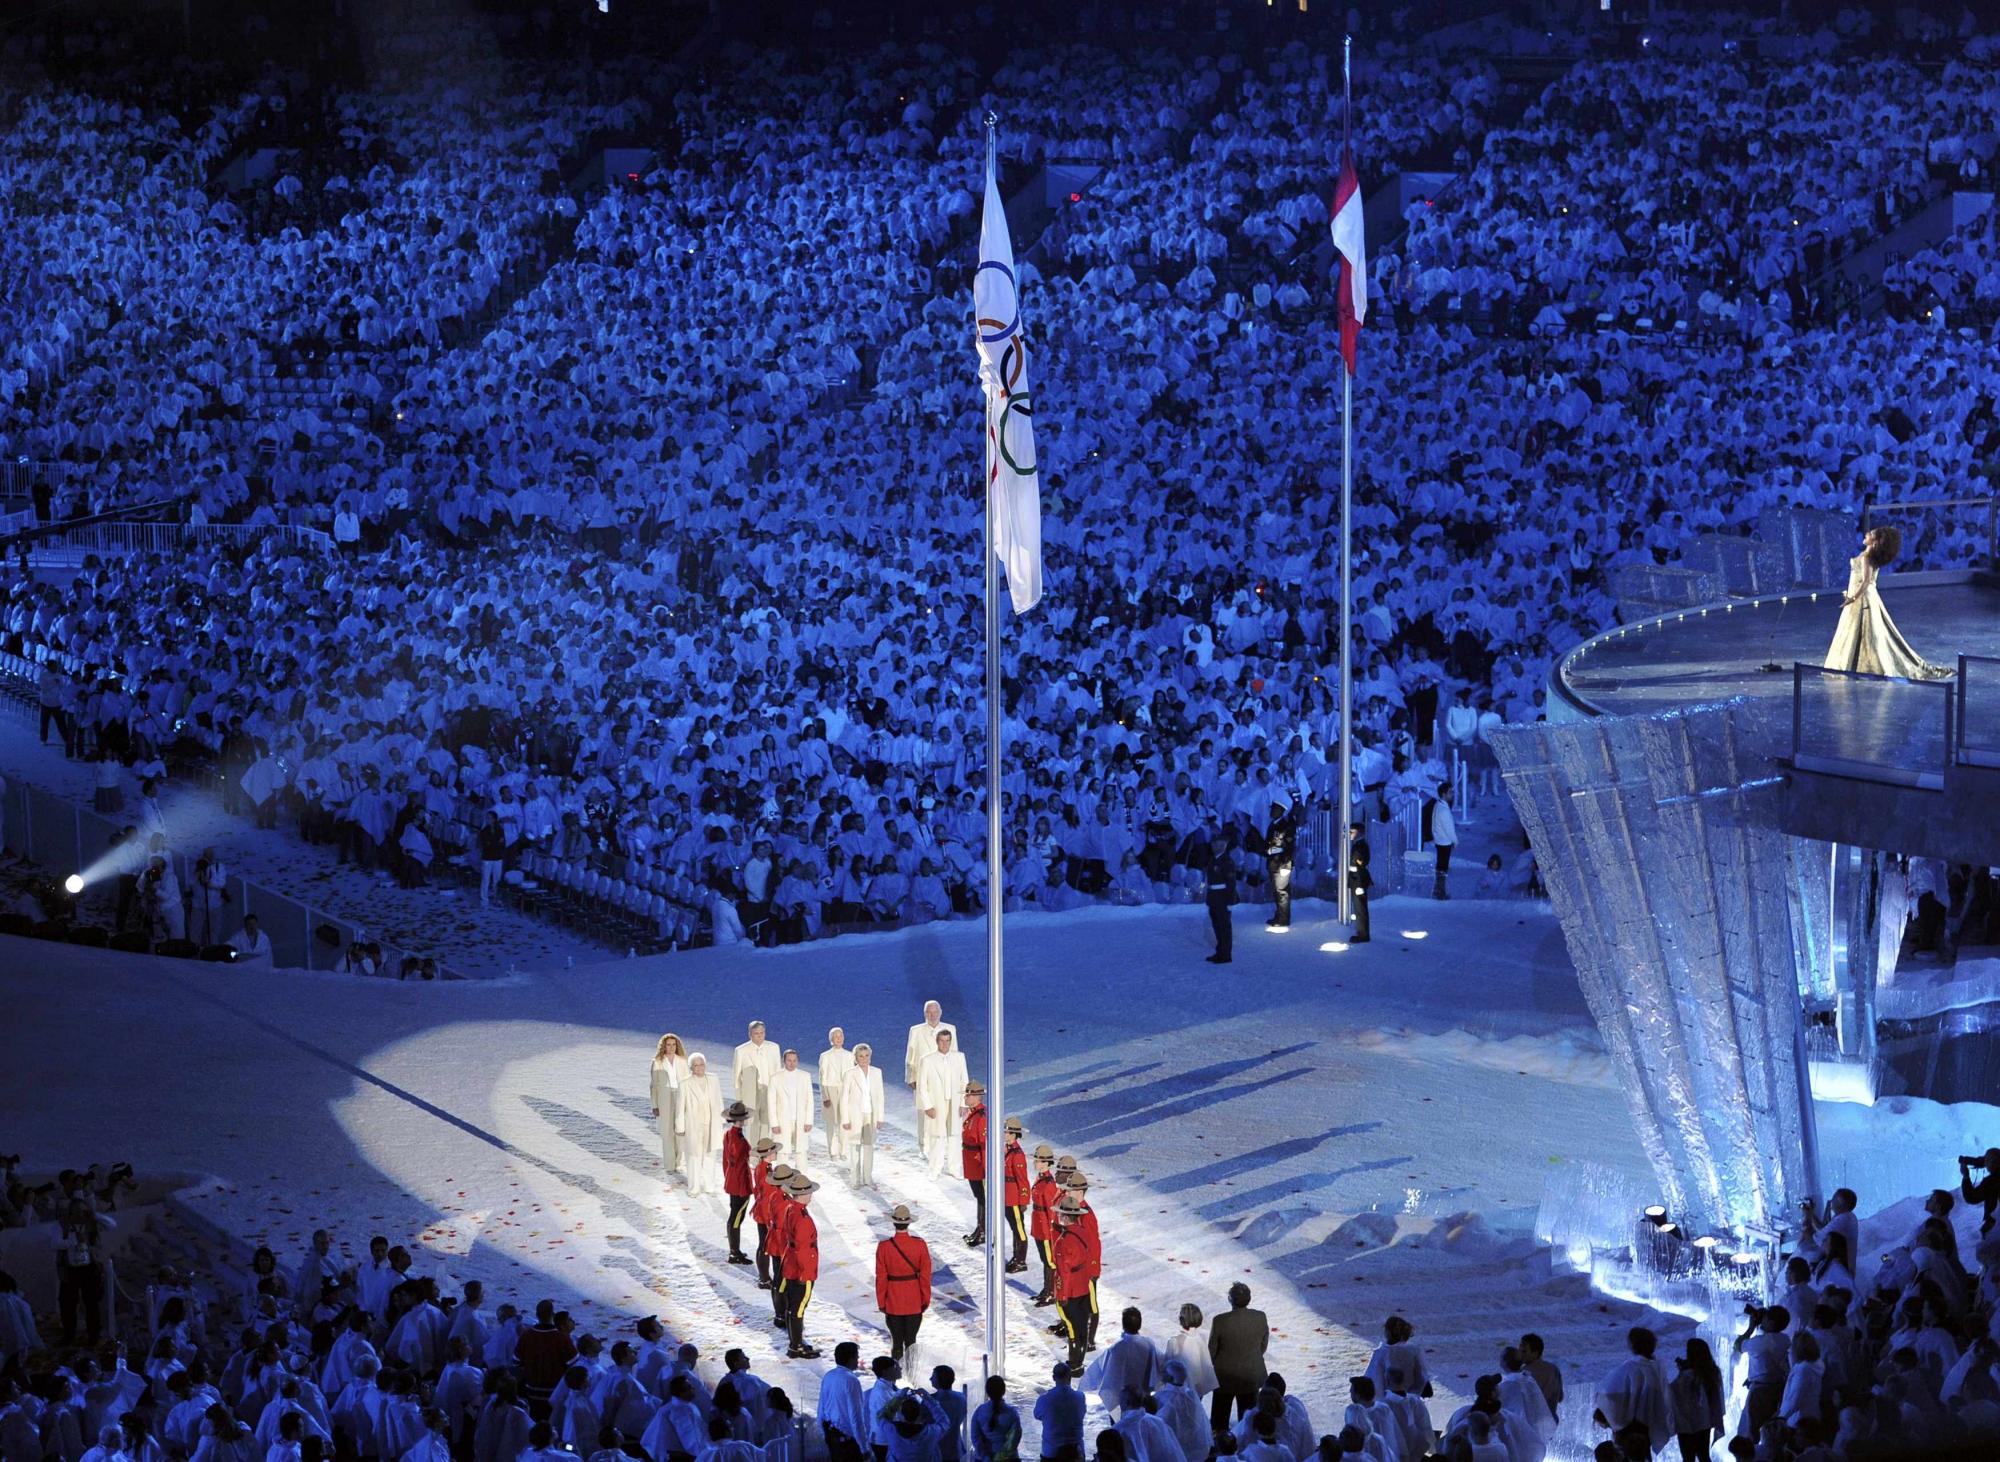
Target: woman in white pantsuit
x,y
861,1113
698,1124
670,1069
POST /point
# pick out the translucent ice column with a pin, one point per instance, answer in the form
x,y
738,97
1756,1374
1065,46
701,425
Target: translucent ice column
x,y
1678,910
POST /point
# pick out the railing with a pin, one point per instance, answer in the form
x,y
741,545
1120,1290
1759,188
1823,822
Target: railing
x,y
1976,741
1877,728
64,837
1939,533
127,538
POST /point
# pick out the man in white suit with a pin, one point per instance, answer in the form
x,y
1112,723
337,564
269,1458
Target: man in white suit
x,y
941,1103
791,1109
834,1064
756,1066
923,1040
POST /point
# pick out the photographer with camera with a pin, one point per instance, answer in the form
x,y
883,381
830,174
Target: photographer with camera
x,y
1986,1192
1832,1240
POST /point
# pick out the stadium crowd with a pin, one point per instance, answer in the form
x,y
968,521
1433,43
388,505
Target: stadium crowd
x,y
654,532
1871,1347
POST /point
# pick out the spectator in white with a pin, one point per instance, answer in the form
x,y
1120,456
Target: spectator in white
x,y
1147,1437
18,1334
1529,1421
1129,1370
1635,1393
1399,1352
841,1416
251,943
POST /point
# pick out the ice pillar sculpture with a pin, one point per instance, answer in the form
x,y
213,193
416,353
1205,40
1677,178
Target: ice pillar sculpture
x,y
1676,909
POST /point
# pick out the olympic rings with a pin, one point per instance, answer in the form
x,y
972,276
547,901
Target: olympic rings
x,y
1023,405
1003,329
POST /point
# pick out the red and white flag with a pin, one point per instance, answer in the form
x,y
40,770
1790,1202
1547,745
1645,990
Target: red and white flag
x,y
1351,294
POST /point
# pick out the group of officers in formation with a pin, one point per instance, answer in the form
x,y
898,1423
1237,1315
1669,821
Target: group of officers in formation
x,y
761,1142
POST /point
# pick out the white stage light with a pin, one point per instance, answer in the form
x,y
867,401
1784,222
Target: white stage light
x,y
1333,946
73,884
1416,933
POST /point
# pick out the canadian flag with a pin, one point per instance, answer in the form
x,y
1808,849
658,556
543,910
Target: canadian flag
x,y
1352,293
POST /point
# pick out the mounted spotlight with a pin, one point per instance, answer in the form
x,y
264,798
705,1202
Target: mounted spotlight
x,y
1655,1214
73,885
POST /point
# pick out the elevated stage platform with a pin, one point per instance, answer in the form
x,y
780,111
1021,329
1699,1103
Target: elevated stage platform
x,y
1867,761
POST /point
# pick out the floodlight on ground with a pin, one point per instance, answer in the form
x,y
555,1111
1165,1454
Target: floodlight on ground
x,y
73,884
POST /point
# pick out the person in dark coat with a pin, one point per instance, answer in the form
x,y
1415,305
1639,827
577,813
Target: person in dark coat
x,y
1359,880
1220,895
1237,1341
1279,841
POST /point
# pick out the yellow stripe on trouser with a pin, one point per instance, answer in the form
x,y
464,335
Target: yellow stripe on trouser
x,y
736,1218
805,1296
1048,1253
1062,1311
1093,1296
1018,1217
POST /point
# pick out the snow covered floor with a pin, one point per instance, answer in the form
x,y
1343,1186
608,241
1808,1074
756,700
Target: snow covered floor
x,y
1350,1132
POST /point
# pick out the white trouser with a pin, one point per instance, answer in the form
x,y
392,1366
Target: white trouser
x,y
793,1139
704,1173
836,1136
937,1147
862,1146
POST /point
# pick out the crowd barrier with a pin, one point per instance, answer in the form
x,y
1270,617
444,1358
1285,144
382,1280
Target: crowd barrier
x,y
125,538
1939,533
64,837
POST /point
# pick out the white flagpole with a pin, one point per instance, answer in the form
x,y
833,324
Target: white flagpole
x,y
1342,839
996,1009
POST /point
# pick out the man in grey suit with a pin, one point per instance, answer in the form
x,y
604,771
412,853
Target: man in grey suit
x,y
1236,1344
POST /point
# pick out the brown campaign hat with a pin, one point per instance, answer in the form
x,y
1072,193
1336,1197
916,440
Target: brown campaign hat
x,y
1065,1163
1075,1181
1070,1208
766,1144
736,1112
1013,1124
975,1088
1044,1153
900,1215
800,1183
780,1173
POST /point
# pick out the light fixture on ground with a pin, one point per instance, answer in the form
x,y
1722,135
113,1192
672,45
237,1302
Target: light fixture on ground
x,y
1416,933
1333,946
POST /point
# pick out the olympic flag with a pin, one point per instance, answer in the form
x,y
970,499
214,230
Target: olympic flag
x,y
1010,424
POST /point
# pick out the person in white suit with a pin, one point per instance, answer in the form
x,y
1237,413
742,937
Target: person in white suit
x,y
923,1040
861,1113
698,1124
834,1064
791,1109
941,1104
670,1069
756,1064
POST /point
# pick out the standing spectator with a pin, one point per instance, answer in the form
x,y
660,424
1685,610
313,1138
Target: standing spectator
x,y
1237,1342
79,1238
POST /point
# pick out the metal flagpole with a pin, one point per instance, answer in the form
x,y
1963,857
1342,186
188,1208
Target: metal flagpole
x,y
1342,839
996,1010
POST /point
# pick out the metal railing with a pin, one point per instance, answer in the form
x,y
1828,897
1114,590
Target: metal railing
x,y
1877,728
1940,533
127,538
1976,737
64,837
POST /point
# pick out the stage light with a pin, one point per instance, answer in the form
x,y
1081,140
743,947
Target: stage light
x,y
73,884
1707,1242
1078,198
1279,928
1655,1214
1416,933
1333,946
